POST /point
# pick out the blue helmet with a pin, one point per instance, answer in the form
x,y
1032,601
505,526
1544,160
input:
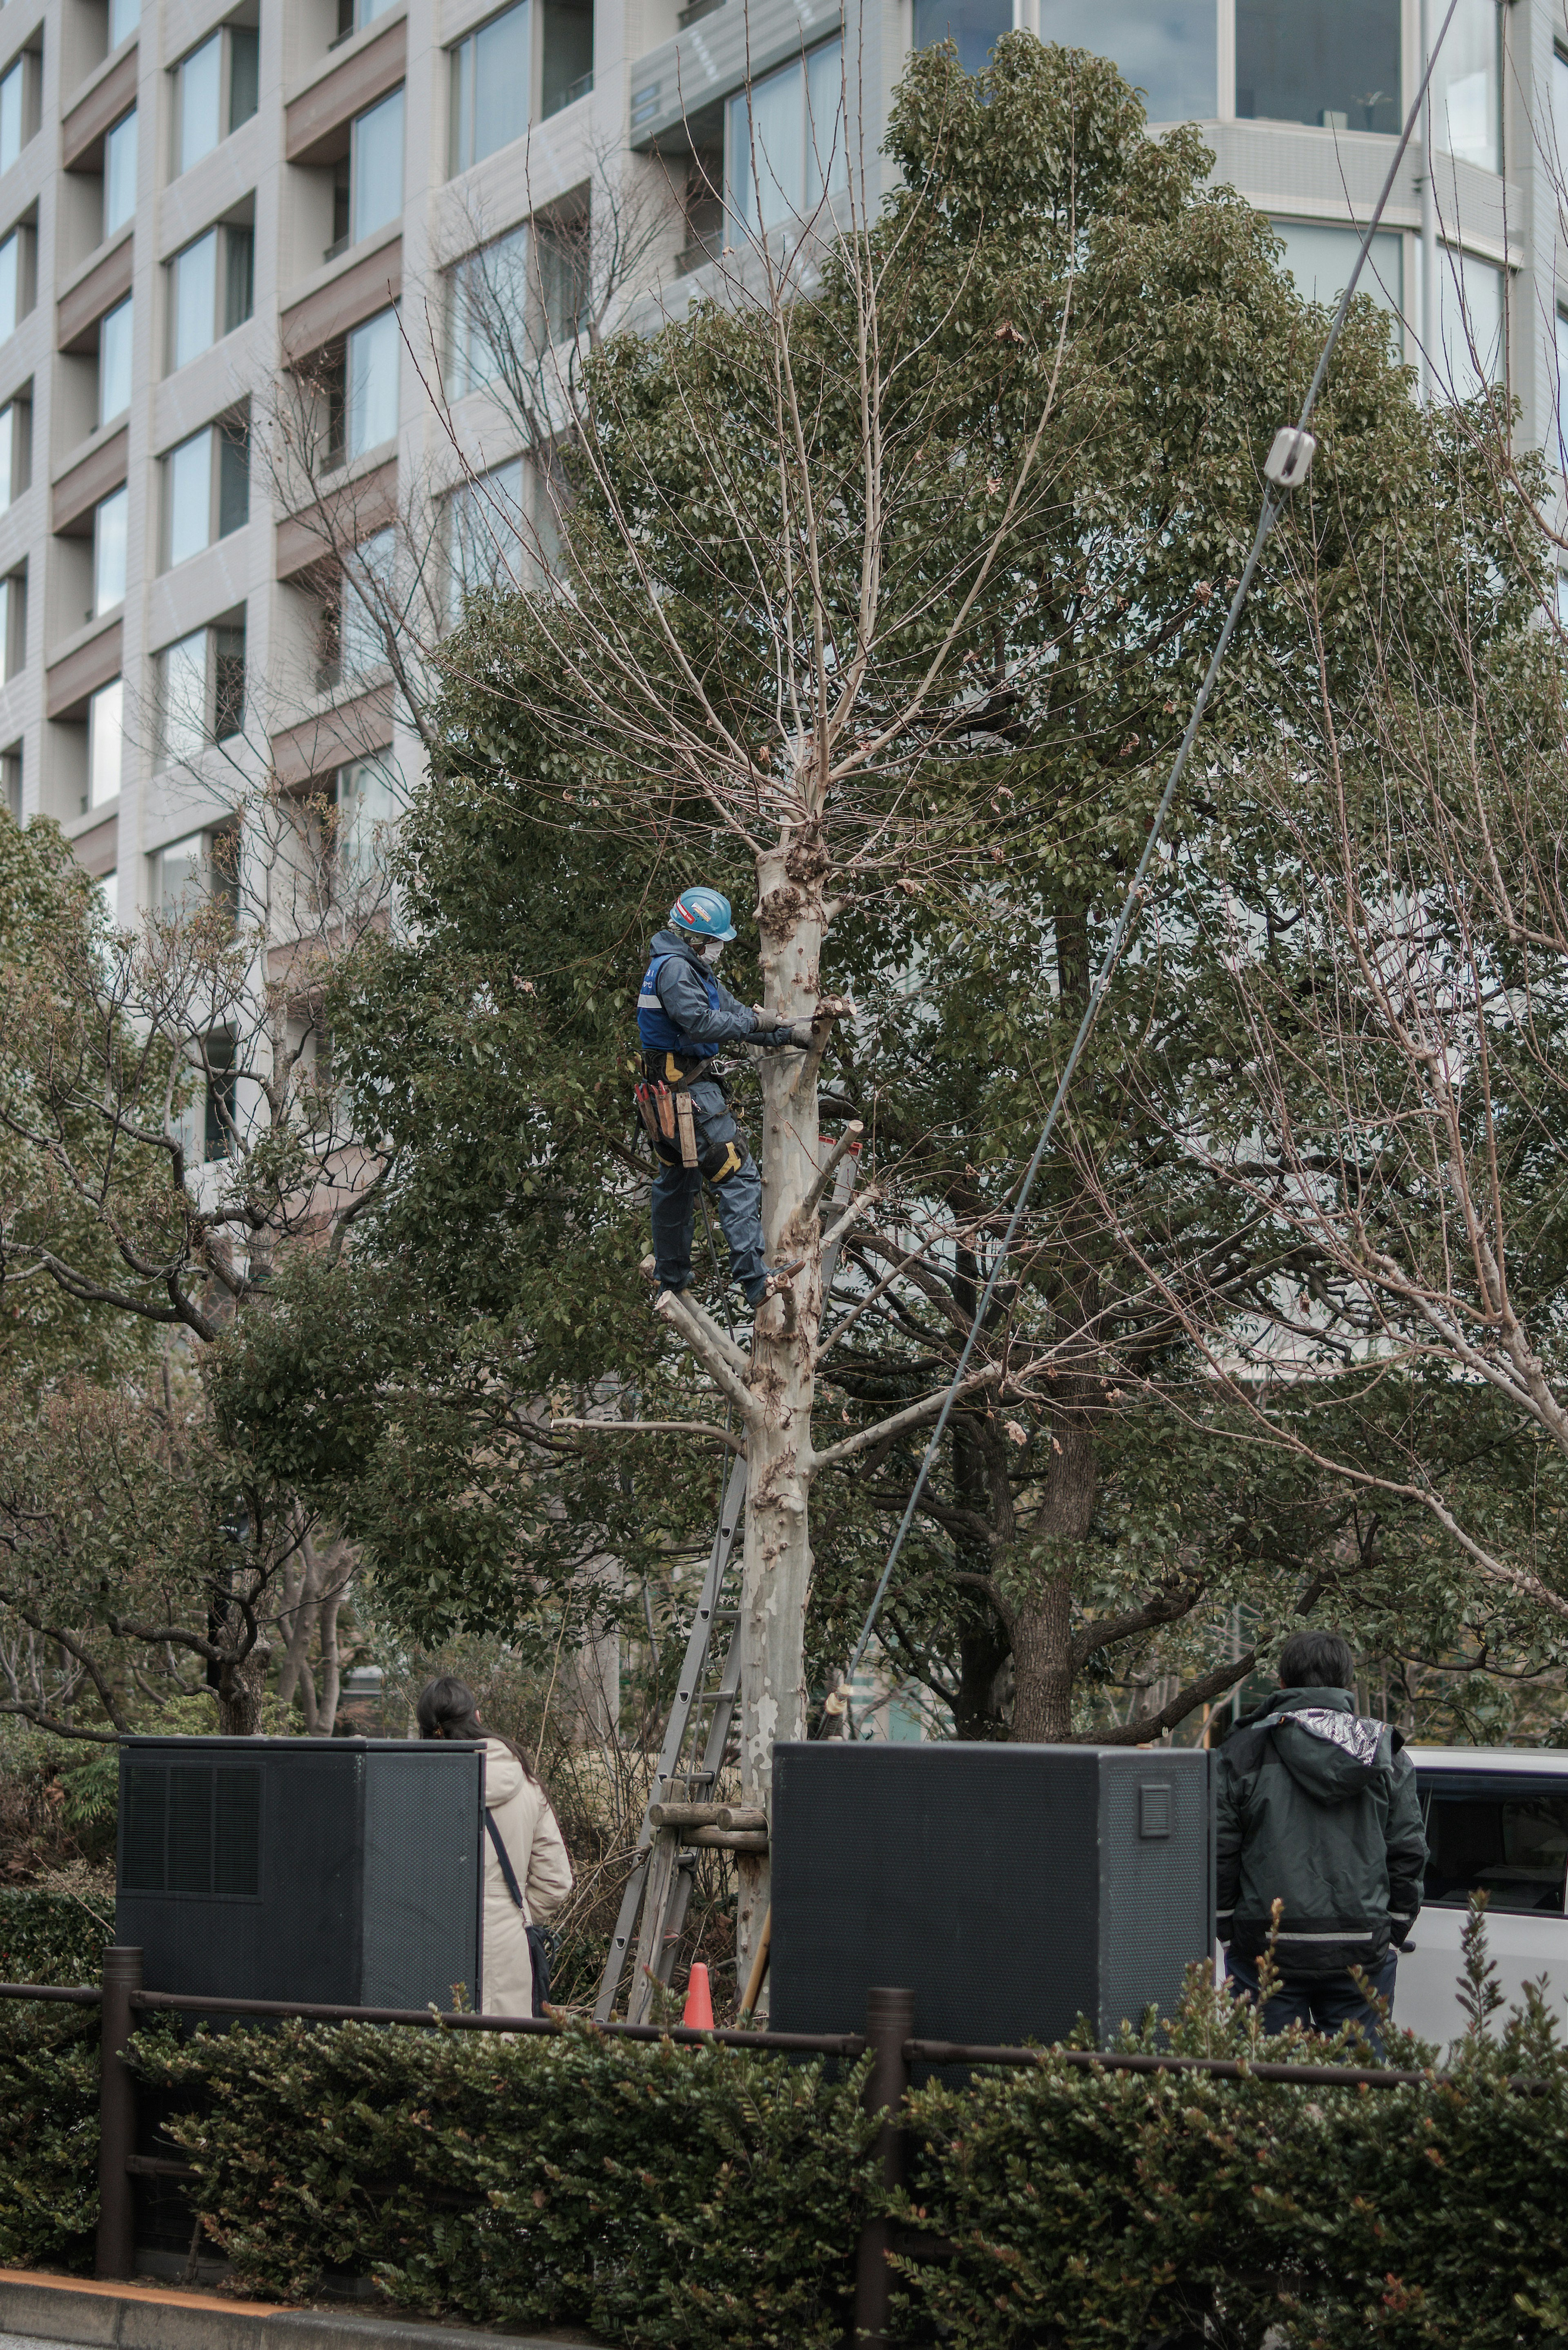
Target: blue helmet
x,y
702,914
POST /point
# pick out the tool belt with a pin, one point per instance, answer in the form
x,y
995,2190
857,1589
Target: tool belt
x,y
677,1069
670,1119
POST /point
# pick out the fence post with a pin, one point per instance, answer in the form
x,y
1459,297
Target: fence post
x,y
116,2253
889,2022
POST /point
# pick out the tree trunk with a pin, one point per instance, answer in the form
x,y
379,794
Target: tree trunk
x,y
241,1687
776,1572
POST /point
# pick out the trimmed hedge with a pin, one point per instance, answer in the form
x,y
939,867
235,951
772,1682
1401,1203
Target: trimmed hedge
x,y
708,2198
49,1937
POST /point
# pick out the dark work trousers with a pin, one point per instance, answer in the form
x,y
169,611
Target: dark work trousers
x,y
739,1194
1323,2002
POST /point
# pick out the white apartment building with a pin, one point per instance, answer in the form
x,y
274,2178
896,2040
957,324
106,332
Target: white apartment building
x,y
192,198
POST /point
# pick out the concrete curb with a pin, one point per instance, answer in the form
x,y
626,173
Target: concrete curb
x,y
156,2317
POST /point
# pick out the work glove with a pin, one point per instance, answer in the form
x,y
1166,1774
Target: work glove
x,y
766,1019
801,1036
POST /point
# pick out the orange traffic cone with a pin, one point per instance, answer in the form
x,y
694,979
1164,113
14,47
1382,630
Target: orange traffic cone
x,y
697,2015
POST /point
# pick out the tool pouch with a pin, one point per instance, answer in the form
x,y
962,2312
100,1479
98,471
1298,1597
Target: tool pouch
x,y
655,1108
685,1120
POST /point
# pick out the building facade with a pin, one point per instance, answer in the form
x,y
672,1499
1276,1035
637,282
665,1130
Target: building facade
x,y
204,200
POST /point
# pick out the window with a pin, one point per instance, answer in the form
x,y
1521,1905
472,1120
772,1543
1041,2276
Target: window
x,y
210,292
489,309
16,277
201,695
363,387
375,168
108,552
1169,53
1470,324
1466,87
486,525
206,490
975,26
124,16
1333,62
15,450
357,642
562,247
1320,258
11,780
108,888
216,90
353,16
120,173
370,802
566,63
1505,1838
490,88
13,624
786,141
106,742
18,107
114,362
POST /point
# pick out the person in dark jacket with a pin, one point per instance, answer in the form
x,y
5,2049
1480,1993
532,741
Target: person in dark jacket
x,y
1317,1807
684,1021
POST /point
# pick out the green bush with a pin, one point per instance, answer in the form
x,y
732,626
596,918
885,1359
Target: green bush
x,y
48,2135
51,1937
661,2195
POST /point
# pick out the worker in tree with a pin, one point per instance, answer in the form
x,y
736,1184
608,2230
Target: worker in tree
x,y
685,1019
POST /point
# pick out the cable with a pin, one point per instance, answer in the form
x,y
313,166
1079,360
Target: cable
x,y
1274,500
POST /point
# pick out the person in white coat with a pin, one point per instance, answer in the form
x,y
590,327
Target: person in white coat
x,y
527,1827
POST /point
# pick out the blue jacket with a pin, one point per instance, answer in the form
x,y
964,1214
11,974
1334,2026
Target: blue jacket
x,y
681,1008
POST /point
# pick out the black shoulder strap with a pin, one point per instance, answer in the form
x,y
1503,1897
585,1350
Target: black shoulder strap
x,y
504,1856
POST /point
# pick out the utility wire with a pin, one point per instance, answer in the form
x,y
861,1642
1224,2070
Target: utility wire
x,y
1274,499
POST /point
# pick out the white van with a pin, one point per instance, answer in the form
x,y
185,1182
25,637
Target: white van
x,y
1497,1822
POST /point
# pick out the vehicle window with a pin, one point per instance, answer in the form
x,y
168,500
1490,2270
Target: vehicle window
x,y
1511,1844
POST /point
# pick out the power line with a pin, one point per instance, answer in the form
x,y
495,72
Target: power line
x,y
1285,468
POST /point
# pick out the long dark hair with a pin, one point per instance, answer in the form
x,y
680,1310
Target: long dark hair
x,y
445,1709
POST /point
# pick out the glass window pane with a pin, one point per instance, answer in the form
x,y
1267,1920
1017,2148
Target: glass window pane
x,y
124,16
767,138
1470,324
369,805
239,285
8,454
106,742
826,161
374,352
462,106
108,552
201,81
975,26
233,479
189,474
11,96
488,314
196,297
487,525
120,174
1467,82
501,51
108,888
361,643
377,166
1333,62
1511,1844
184,725
10,281
245,74
1321,258
114,362
1558,161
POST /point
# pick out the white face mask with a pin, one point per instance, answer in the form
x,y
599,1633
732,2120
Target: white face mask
x,y
711,950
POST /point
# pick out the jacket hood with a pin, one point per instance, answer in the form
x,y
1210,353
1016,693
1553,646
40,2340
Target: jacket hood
x,y
1330,1750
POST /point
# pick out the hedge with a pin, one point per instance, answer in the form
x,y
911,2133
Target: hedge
x,y
671,2197
48,2084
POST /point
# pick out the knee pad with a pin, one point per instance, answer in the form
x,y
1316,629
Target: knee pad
x,y
725,1160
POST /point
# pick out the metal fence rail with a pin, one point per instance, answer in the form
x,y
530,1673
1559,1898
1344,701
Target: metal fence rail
x,y
888,2037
